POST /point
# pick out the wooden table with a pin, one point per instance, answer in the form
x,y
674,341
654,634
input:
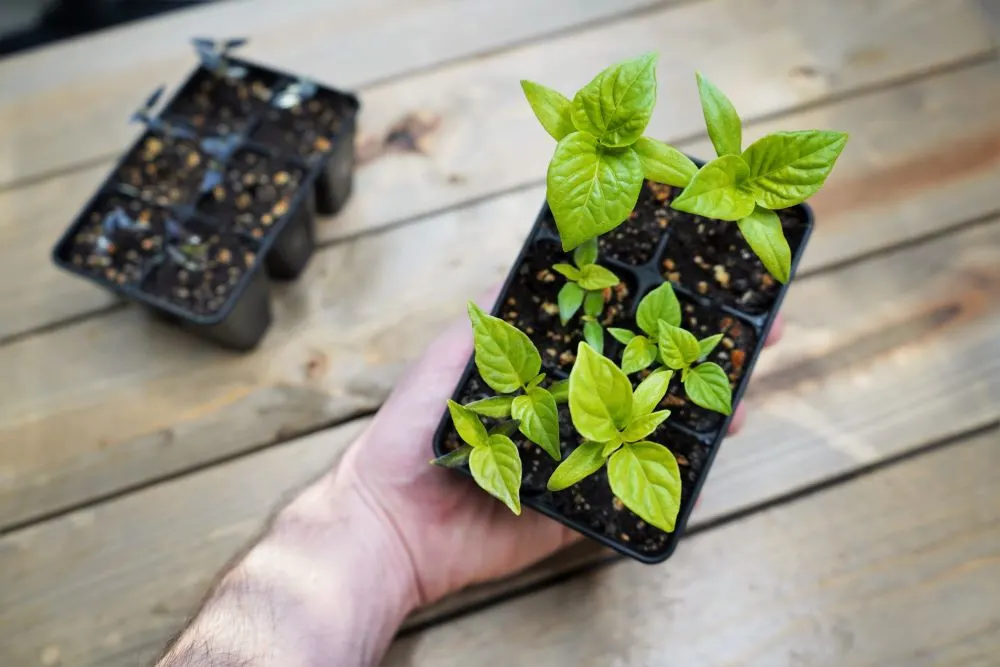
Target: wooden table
x,y
855,521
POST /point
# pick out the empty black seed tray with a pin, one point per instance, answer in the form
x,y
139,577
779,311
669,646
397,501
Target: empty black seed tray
x,y
721,285
217,197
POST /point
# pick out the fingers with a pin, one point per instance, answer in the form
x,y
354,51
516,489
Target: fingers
x,y
738,420
777,329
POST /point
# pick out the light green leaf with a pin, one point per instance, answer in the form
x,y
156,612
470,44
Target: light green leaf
x,y
786,168
467,423
507,428
707,385
536,410
718,190
535,381
593,303
660,304
723,122
560,390
591,189
616,105
497,407
663,163
582,462
593,333
567,270
600,396
645,477
497,469
650,392
678,347
642,426
552,109
585,253
706,345
639,353
596,277
455,459
611,446
623,336
505,356
762,230
570,297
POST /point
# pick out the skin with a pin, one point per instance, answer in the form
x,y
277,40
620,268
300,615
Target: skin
x,y
381,534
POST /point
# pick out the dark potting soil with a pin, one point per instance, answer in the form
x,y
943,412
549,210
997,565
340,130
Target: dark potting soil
x,y
254,193
532,306
591,502
305,130
711,258
217,106
164,171
732,353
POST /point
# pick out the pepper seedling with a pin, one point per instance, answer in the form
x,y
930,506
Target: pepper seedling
x,y
214,56
665,342
294,94
157,125
615,421
587,285
746,186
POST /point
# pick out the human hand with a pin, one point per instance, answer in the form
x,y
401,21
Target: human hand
x,y
452,532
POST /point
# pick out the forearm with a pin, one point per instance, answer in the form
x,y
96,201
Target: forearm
x,y
328,584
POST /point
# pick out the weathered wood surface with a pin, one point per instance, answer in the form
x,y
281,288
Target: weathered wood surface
x,y
142,402
466,119
849,388
898,568
70,102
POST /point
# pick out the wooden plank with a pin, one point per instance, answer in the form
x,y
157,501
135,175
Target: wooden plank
x,y
873,572
70,102
124,386
929,146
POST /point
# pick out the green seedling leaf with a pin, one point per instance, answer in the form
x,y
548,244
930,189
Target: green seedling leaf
x,y
593,333
706,345
707,385
650,392
567,270
612,446
723,122
679,348
496,407
591,189
455,459
536,410
593,303
505,356
585,253
664,164
660,304
467,423
552,109
507,428
596,277
719,190
762,231
616,105
786,168
600,396
645,477
639,353
570,297
535,381
582,462
642,427
623,336
560,391
497,469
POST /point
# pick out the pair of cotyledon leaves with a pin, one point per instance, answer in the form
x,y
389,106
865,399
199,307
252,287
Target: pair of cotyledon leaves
x,y
597,170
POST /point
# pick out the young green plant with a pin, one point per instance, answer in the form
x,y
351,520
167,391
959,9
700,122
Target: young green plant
x,y
747,186
510,364
586,285
666,343
615,422
599,164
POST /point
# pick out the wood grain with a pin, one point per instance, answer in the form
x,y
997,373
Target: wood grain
x,y
70,102
878,571
923,150
849,388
